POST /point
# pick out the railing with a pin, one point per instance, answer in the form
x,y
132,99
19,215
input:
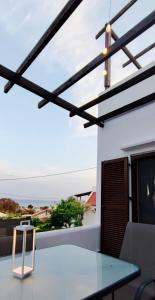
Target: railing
x,y
85,236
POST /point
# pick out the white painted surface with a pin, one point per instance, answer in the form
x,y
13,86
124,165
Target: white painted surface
x,y
132,128
85,236
89,217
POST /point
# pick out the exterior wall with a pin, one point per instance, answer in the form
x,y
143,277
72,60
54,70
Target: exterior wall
x,y
89,217
127,134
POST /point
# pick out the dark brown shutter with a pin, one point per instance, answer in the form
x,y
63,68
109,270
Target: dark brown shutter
x,y
114,205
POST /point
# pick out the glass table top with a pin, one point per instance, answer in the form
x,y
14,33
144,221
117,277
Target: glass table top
x,y
65,272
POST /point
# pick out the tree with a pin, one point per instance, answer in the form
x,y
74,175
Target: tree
x,y
8,205
67,213
30,206
36,221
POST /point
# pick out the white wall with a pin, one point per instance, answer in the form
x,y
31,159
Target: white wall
x,y
127,134
89,217
85,236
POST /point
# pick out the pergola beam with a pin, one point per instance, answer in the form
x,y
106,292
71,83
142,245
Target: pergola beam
x,y
121,87
62,17
140,102
126,51
144,51
39,91
116,17
142,26
119,44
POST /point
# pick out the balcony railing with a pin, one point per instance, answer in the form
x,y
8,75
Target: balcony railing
x,y
85,236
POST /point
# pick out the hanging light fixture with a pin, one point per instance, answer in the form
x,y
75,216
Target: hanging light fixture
x,y
105,72
105,51
108,28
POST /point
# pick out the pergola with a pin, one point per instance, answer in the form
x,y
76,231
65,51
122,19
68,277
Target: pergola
x,y
109,50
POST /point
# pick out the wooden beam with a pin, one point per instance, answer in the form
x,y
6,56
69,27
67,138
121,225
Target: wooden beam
x,y
44,40
144,51
75,78
39,91
140,102
107,76
126,51
120,88
116,17
115,47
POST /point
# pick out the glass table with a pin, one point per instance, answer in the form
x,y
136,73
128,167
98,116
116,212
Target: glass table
x,y
67,272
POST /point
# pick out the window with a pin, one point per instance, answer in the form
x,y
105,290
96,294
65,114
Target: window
x,y
143,177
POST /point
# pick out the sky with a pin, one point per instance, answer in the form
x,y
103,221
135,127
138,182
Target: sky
x,y
37,142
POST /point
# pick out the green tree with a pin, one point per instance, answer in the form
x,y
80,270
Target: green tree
x,y
36,221
67,213
41,225
30,206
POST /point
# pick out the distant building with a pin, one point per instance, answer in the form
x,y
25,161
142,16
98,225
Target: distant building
x,y
82,196
43,214
3,215
92,200
89,198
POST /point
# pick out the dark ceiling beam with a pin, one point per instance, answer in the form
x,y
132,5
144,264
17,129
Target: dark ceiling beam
x,y
115,47
121,87
126,51
45,39
140,102
41,92
144,51
116,17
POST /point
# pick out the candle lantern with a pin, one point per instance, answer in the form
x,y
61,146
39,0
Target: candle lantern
x,y
23,270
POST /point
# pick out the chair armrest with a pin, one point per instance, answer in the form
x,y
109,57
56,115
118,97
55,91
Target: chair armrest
x,y
142,286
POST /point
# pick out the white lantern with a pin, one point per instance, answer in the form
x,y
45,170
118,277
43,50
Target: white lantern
x,y
22,271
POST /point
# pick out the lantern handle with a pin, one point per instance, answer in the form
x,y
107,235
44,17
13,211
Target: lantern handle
x,y
26,222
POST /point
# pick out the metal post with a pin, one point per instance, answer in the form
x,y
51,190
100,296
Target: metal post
x,y
23,252
33,249
14,248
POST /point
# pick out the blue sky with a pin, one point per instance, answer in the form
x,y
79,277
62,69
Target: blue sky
x,y
36,142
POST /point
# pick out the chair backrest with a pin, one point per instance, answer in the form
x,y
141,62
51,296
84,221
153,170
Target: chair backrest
x,y
139,247
7,225
6,236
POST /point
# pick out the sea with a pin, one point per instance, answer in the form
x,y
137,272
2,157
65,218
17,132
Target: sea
x,y
37,203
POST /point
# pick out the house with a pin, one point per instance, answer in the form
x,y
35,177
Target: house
x,y
91,200
90,213
42,214
82,196
88,197
126,159
3,215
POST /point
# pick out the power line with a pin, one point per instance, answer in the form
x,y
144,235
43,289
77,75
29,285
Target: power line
x,y
26,197
109,9
47,175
